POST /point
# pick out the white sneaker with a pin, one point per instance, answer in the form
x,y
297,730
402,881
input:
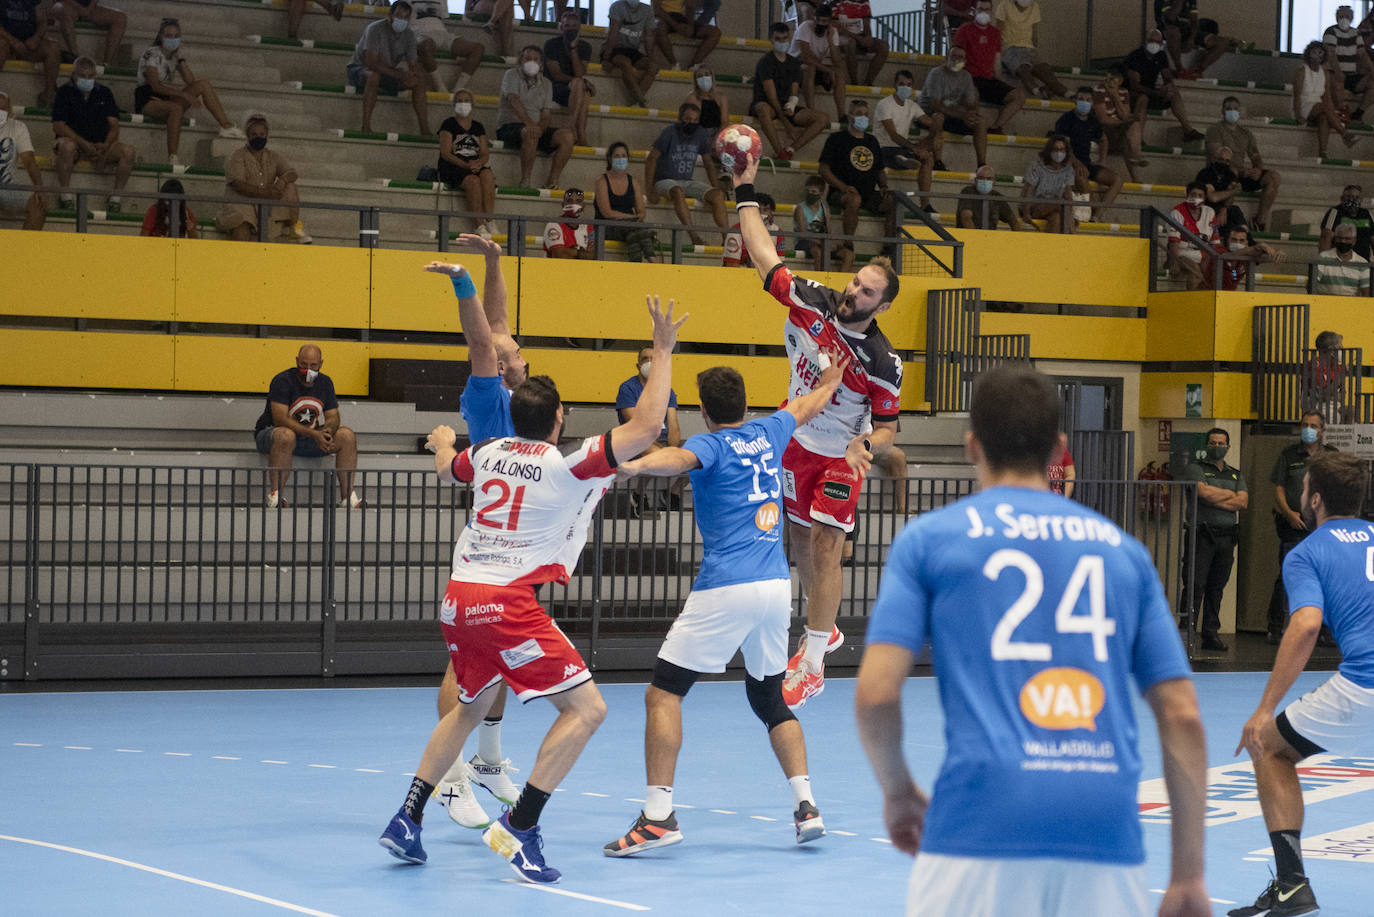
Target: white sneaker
x,y
495,780
233,132
484,230
457,797
173,160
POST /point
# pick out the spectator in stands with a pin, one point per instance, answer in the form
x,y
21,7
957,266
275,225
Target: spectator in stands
x,y
295,13
777,82
500,24
302,418
565,64
1048,187
257,173
1253,177
1349,276
1348,64
852,165
524,118
736,255
158,95
24,36
894,115
982,44
1151,78
1313,101
618,199
711,98
431,36
85,125
1195,42
854,18
956,13
1017,21
812,216
1196,216
980,207
1061,471
816,43
16,152
385,60
627,51
1235,241
671,164
951,99
1222,185
66,13
1123,123
1083,129
678,18
464,162
1349,210
157,219
568,236
626,400
1323,378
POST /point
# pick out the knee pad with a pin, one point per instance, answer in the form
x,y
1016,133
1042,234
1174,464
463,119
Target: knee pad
x,y
765,697
673,678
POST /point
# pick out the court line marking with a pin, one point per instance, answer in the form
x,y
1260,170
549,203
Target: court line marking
x,y
724,812
1160,891
29,744
578,895
177,754
762,818
77,747
286,905
225,758
130,751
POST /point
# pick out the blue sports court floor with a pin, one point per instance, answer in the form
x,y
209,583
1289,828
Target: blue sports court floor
x,y
270,802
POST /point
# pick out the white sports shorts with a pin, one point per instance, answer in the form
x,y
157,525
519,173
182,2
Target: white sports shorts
x,y
750,617
959,886
1337,715
432,27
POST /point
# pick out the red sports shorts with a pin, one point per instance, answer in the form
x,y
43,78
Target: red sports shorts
x,y
819,488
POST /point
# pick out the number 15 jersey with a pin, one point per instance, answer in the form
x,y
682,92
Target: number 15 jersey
x,y
1039,613
532,506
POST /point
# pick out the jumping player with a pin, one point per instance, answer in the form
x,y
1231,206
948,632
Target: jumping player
x,y
531,512
1330,580
1039,614
741,598
824,466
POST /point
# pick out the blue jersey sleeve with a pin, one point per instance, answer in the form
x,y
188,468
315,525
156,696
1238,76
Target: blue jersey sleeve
x,y
901,615
1158,653
706,448
484,409
781,425
1301,580
672,398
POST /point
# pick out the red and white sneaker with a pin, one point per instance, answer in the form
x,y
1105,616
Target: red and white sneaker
x,y
835,642
801,684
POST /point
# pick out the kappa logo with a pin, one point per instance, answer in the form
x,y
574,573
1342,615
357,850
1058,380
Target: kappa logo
x,y
816,328
835,490
571,669
448,612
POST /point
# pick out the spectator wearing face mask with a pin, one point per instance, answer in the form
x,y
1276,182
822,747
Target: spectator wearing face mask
x,y
671,164
816,43
1083,129
1235,240
812,216
16,154
160,95
1222,184
1017,21
385,61
852,165
1229,132
1351,211
85,121
1348,64
157,219
1048,185
951,99
1221,495
1349,274
982,43
707,95
257,173
627,50
1196,216
565,64
1150,76
670,435
777,88
980,207
893,117
464,162
1313,100
618,199
524,118
568,236
736,255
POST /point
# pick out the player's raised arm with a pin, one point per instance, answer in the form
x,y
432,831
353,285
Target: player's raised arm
x,y
634,436
1183,744
476,329
757,240
494,284
813,402
662,463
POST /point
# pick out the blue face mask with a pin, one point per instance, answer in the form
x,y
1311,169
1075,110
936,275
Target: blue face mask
x,y
1232,115
86,84
984,185
860,122
903,92
1309,435
1083,106
171,44
620,163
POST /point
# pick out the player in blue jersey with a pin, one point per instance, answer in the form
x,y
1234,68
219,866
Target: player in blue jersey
x,y
1330,580
1039,613
741,598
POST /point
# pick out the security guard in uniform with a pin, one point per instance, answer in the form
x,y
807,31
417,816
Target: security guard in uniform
x,y
1221,494
1289,470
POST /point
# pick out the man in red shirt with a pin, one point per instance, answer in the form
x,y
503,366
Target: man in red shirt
x,y
982,43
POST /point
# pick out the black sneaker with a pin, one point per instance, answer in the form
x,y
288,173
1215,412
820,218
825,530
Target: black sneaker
x,y
808,823
645,834
1281,899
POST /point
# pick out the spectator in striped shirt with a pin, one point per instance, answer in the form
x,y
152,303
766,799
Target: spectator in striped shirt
x,y
1349,276
1348,66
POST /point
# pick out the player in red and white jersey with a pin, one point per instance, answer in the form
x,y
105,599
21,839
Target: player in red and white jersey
x,y
531,508
824,465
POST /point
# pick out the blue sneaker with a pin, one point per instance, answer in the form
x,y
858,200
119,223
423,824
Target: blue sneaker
x,y
402,839
524,850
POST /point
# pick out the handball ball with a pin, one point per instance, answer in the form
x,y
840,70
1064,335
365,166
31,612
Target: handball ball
x,y
736,144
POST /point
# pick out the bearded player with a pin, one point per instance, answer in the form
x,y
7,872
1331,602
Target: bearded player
x,y
825,463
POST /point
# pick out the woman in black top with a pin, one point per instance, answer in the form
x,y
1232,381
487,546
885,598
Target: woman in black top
x,y
618,199
710,98
463,156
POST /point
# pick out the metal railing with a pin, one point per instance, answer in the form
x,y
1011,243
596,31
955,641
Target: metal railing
x,y
142,571
1278,336
916,31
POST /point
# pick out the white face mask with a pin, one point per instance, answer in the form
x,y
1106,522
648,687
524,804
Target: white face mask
x,y
309,376
982,18
462,109
171,44
1235,246
531,68
1153,47
400,25
956,65
1194,202
704,82
1058,155
1344,21
644,368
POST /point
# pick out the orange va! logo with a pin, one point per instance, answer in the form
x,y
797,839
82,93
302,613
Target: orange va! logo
x,y
1063,698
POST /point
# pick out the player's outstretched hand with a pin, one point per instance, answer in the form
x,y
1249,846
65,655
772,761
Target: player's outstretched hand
x,y
905,816
443,267
751,170
836,362
471,242
665,329
1186,899
857,455
441,437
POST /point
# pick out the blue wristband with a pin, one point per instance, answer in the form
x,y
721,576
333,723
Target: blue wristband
x,y
463,287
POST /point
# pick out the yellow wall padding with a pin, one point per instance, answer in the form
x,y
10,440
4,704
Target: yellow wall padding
x,y
1224,395
86,276
79,359
1043,267
1073,337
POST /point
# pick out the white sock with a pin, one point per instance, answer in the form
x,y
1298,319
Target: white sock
x,y
815,647
457,771
489,741
801,790
658,802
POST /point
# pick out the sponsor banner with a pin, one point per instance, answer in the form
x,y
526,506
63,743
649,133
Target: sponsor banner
x,y
1232,794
